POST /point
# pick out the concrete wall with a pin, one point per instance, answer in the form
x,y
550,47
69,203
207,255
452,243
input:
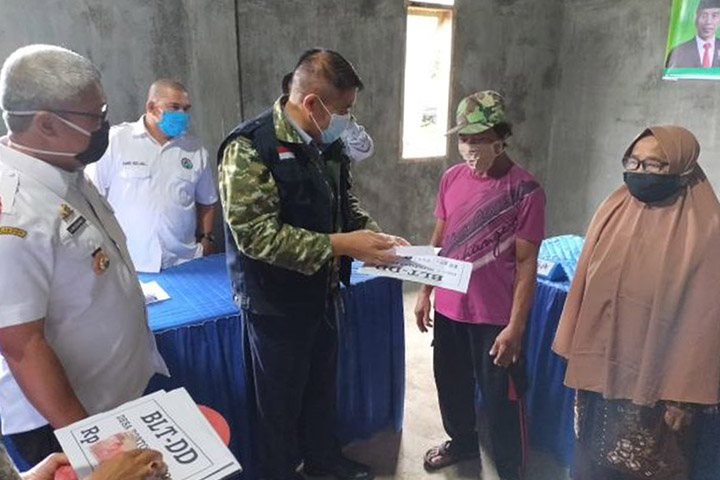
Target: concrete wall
x,y
510,46
582,78
610,89
134,42
369,33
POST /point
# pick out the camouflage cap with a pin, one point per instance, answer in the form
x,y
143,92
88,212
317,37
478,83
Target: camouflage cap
x,y
479,112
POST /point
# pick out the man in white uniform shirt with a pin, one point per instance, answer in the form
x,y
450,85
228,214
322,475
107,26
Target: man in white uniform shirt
x,y
158,181
74,336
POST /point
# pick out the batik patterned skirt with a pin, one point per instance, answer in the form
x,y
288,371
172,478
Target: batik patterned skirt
x,y
617,440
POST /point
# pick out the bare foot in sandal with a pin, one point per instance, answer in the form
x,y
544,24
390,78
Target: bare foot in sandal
x,y
445,455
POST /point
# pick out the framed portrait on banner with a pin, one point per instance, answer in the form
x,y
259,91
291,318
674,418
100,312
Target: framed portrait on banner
x,y
693,48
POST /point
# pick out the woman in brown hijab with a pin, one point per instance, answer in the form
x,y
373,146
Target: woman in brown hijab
x,y
641,325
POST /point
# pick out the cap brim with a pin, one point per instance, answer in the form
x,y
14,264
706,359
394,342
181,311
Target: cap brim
x,y
471,129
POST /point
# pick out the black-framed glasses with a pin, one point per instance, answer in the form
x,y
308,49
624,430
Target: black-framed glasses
x,y
650,165
102,116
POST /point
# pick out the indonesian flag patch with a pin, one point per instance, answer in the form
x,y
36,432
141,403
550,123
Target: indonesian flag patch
x,y
285,154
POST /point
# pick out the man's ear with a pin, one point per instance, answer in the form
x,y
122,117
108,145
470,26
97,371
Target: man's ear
x,y
309,101
151,108
46,124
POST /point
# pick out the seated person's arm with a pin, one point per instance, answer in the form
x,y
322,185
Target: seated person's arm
x,y
133,465
39,373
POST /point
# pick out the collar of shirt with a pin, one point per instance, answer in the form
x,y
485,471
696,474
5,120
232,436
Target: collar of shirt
x,y
140,130
303,134
701,44
285,129
55,178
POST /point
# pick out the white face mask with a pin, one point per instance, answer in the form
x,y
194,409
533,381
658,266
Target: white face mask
x,y
338,124
48,152
479,157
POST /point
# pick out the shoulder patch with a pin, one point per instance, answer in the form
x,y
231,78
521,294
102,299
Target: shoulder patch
x,y
18,232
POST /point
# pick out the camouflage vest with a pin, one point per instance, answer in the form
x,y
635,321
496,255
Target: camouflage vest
x,y
308,199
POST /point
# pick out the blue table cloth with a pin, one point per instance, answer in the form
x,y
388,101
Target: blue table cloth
x,y
200,334
549,402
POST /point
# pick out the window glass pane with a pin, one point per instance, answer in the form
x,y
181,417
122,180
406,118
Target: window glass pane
x,y
427,82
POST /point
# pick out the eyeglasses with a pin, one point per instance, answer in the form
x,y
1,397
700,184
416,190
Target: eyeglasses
x,y
102,116
650,165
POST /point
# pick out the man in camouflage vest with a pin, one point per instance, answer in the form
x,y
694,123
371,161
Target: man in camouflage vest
x,y
292,226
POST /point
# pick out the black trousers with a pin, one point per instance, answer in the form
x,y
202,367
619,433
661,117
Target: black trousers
x,y
294,374
463,368
33,446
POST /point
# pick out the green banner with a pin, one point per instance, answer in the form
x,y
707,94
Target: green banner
x,y
693,51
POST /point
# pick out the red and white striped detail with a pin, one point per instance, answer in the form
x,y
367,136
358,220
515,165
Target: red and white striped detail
x,y
285,154
524,431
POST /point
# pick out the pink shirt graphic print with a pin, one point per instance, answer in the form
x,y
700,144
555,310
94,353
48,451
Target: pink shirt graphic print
x,y
483,218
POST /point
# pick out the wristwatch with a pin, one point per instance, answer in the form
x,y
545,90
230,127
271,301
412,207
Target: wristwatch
x,y
206,236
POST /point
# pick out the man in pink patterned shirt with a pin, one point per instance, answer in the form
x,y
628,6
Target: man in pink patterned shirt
x,y
489,212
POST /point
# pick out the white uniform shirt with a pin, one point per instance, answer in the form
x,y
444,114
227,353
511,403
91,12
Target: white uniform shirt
x,y
153,189
95,320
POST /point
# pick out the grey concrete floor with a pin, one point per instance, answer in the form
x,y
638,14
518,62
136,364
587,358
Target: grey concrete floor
x,y
400,455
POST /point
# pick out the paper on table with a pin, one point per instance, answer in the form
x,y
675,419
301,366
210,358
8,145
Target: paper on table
x,y
429,270
153,292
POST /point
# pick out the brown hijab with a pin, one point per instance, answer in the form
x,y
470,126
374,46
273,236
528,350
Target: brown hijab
x,y
642,319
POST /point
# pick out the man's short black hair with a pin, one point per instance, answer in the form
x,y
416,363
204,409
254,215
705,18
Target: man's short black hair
x,y
705,4
286,81
321,64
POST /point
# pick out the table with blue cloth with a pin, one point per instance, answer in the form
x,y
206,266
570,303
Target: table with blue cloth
x,y
549,402
199,332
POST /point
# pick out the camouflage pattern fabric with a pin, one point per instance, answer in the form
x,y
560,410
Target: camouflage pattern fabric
x,y
284,131
251,206
479,112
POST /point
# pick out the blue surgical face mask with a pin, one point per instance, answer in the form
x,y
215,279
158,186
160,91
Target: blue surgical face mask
x,y
173,123
338,124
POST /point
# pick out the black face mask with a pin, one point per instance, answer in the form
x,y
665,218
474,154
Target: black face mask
x,y
99,140
653,187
